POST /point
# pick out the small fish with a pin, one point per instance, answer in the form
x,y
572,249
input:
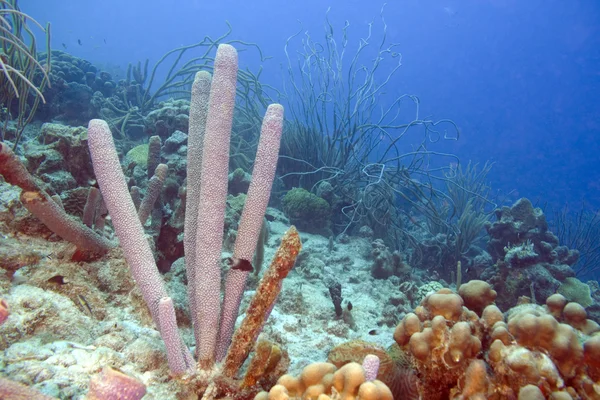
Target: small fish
x,y
373,332
79,41
84,305
349,306
450,11
241,264
104,41
64,46
58,279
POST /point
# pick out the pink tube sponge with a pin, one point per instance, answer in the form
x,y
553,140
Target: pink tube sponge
x,y
4,313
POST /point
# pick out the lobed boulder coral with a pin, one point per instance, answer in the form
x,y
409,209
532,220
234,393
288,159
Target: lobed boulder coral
x,y
460,355
477,295
440,338
325,381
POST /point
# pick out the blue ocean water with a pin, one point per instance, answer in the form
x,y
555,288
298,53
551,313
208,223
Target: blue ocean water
x,y
521,79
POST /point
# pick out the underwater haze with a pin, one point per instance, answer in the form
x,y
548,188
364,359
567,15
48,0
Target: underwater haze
x,y
520,78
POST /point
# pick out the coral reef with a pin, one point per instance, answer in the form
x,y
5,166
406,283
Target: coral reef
x,y
461,355
78,90
528,258
132,252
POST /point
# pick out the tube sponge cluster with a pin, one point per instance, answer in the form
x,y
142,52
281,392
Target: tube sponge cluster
x,y
532,351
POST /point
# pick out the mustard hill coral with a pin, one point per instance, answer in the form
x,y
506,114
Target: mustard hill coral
x,y
477,295
325,381
459,355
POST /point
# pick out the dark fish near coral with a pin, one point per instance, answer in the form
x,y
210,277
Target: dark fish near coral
x,y
79,41
64,46
373,332
58,279
349,306
240,264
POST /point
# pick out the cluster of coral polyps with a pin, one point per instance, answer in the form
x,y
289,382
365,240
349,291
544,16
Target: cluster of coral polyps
x,y
324,381
531,352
